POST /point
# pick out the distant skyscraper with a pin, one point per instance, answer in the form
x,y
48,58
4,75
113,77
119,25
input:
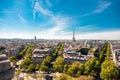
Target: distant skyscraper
x,y
73,36
35,38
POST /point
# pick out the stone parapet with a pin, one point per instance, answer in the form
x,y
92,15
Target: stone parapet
x,y
7,75
4,65
3,57
6,71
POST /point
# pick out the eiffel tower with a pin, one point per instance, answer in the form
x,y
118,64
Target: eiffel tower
x,y
73,39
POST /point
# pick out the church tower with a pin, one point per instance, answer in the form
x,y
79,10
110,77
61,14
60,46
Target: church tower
x,y
73,36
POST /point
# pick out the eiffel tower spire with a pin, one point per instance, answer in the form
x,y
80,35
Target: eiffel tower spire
x,y
73,36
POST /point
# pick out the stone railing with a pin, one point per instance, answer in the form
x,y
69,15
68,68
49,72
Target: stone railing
x,y
6,71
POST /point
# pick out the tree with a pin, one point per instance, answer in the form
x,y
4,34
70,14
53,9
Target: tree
x,y
37,67
101,56
13,59
109,70
63,77
76,69
30,67
102,53
108,50
47,61
27,59
65,68
58,66
44,67
28,52
22,53
71,71
89,65
55,54
59,50
28,55
80,69
25,63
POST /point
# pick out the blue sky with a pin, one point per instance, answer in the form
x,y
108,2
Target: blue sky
x,y
56,19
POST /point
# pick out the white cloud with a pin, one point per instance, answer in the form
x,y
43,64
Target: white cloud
x,y
60,24
21,19
102,6
58,21
11,33
39,8
87,28
48,3
23,35
34,14
110,35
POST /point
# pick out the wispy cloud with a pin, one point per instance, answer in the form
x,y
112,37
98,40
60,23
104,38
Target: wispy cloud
x,y
102,6
48,3
39,8
59,22
87,28
21,19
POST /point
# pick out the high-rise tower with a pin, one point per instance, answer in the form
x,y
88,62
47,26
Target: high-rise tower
x,y
73,36
35,38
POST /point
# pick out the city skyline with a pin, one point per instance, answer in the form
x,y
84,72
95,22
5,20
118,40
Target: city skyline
x,y
56,19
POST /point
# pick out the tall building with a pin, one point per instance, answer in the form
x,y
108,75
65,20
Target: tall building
x,y
73,36
35,37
